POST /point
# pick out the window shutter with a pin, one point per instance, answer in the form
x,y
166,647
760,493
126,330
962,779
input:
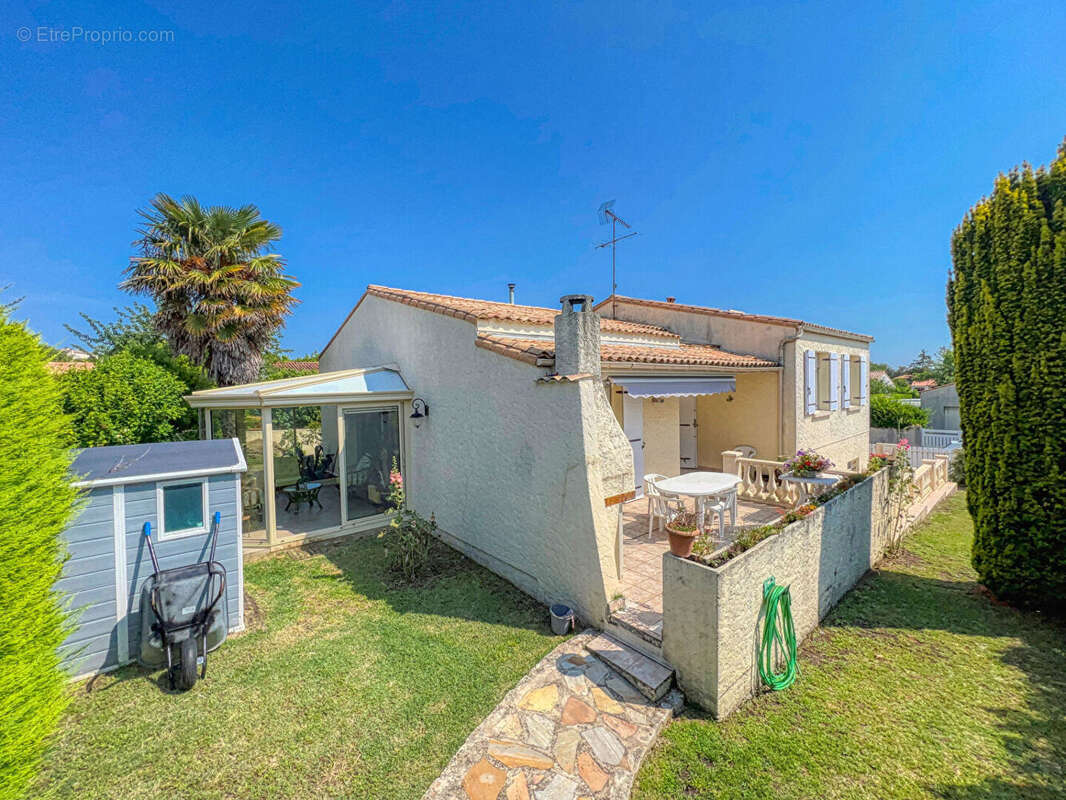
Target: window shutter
x,y
845,374
864,379
834,381
810,373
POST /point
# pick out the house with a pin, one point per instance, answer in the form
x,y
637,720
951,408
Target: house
x,y
59,367
923,385
883,377
942,403
523,429
75,353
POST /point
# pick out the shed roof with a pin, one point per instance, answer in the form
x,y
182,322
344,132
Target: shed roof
x,y
137,463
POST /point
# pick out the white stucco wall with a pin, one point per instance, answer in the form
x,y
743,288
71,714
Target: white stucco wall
x,y
515,471
843,435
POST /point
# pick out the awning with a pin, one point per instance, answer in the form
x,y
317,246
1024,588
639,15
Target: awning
x,y
676,387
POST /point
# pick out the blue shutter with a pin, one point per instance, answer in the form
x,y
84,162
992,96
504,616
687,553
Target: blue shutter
x,y
845,374
834,381
864,379
810,375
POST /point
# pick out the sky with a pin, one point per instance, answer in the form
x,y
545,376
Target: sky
x,y
805,159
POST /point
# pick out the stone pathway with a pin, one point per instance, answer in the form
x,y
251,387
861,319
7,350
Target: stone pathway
x,y
572,728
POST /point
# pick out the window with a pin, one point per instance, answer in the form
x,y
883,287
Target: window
x,y
828,391
181,508
834,380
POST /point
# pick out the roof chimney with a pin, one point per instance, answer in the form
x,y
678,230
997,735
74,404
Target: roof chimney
x,y
577,336
671,299
510,293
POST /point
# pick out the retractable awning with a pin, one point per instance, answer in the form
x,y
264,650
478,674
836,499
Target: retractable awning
x,y
676,387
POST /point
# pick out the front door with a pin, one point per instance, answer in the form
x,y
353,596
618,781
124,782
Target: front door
x,y
633,426
687,416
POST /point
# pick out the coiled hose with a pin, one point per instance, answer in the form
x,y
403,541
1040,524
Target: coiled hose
x,y
778,636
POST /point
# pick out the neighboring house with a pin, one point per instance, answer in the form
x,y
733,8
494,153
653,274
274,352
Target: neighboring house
x,y
883,377
297,367
75,354
523,429
942,403
923,386
59,367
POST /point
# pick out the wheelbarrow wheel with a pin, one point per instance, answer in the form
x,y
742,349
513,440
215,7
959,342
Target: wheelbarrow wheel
x,y
189,653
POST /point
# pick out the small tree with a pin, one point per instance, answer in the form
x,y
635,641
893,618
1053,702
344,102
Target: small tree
x,y
36,502
124,400
1006,301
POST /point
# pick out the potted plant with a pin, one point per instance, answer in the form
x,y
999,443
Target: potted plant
x,y
682,530
806,464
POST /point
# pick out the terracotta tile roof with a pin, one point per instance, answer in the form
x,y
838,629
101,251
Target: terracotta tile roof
x,y
473,310
926,384
733,314
533,351
59,367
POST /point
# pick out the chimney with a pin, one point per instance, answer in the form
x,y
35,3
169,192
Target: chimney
x,y
577,337
510,293
671,299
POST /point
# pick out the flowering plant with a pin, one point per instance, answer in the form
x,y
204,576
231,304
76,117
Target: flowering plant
x,y
409,536
807,462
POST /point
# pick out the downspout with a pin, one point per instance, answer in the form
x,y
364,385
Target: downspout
x,y
781,393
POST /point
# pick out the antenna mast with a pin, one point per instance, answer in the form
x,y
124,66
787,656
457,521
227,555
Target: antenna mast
x,y
607,215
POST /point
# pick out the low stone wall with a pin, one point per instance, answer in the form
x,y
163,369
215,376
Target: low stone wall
x,y
712,617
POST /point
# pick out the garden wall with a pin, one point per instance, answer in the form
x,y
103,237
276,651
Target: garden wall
x,y
712,617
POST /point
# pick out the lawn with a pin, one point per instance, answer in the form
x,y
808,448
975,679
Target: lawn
x,y
347,685
918,685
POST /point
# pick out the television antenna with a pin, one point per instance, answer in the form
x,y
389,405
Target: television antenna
x,y
606,215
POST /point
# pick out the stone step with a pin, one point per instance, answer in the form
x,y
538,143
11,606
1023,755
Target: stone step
x,y
652,678
640,620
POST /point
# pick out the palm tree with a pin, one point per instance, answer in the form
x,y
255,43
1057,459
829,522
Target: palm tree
x,y
221,297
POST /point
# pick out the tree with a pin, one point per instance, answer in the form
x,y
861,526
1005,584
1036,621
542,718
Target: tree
x,y
943,370
36,503
125,399
1006,298
221,297
889,412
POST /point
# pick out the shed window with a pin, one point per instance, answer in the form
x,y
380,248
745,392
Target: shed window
x,y
182,508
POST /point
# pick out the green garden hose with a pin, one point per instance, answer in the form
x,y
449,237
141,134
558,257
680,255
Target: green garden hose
x,y
778,636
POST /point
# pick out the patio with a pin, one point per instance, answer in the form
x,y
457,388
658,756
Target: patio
x,y
642,576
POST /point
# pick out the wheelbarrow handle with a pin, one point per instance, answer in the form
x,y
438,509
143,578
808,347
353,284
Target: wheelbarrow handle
x,y
147,531
215,524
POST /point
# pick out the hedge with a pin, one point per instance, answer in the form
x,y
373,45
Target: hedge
x,y
1007,312
888,412
36,502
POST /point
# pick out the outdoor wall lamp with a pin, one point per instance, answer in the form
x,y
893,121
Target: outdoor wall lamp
x,y
420,412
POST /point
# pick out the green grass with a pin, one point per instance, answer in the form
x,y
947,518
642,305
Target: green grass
x,y
917,686
344,687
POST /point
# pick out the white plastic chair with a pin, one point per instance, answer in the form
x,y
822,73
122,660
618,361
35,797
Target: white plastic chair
x,y
745,450
661,505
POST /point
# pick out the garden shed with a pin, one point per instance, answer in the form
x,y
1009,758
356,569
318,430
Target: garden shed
x,y
177,487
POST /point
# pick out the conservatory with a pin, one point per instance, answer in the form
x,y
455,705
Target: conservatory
x,y
319,450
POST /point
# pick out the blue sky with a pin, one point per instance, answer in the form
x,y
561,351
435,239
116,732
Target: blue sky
x,y
804,159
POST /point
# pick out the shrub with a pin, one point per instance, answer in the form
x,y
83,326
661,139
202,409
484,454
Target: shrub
x,y
887,412
409,536
36,501
1007,310
125,399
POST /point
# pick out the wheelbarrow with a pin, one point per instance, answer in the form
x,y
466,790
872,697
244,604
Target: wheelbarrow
x,y
184,614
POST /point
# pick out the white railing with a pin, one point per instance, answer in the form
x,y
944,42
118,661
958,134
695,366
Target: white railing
x,y
760,479
940,439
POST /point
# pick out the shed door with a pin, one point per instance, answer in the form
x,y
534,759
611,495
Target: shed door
x,y
633,426
951,418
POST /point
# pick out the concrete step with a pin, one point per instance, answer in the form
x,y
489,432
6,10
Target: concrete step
x,y
641,621
651,678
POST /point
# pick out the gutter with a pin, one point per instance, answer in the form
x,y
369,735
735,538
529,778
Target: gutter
x,y
781,393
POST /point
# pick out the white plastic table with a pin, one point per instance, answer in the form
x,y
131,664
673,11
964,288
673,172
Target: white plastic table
x,y
803,482
701,485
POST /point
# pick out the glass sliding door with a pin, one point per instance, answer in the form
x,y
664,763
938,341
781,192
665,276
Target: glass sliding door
x,y
371,447
306,482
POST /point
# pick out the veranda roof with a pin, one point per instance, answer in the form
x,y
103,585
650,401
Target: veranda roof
x,y
341,386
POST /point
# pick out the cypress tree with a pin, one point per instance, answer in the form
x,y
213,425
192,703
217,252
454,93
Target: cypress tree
x,y
1006,300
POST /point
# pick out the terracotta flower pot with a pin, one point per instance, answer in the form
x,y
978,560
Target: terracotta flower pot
x,y
681,541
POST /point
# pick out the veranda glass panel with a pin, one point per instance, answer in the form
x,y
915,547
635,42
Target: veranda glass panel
x,y
247,425
371,447
307,488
